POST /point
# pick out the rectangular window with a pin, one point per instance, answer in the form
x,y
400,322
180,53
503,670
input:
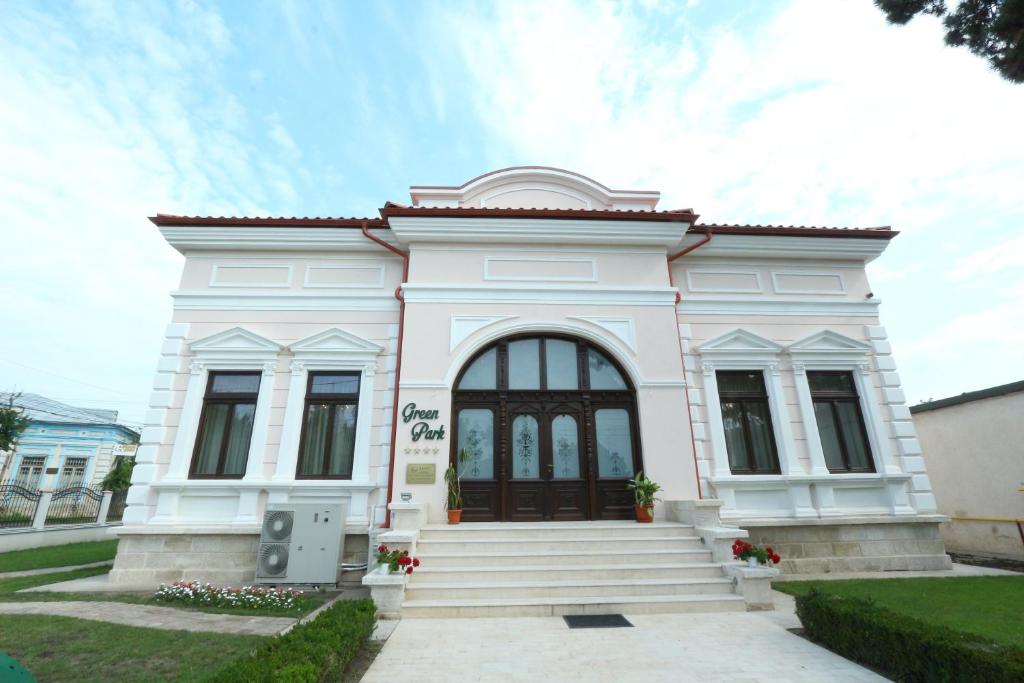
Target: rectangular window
x,y
72,473
844,438
30,472
329,426
749,437
225,427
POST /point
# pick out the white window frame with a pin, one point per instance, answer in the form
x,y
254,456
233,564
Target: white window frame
x,y
832,352
333,350
743,350
233,349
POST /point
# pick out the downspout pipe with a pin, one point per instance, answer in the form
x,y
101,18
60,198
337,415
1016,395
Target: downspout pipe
x,y
404,255
682,356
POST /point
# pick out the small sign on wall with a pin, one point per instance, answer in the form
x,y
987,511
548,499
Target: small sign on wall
x,y
420,473
52,470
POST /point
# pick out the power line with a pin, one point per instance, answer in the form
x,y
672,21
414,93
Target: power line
x,y
64,377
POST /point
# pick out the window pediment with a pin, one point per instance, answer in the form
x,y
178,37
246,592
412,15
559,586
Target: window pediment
x,y
828,345
739,343
236,343
335,343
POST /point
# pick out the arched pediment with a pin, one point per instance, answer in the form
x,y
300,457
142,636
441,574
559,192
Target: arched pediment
x,y
534,187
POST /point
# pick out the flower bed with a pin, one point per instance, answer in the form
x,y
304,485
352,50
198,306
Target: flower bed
x,y
197,594
741,550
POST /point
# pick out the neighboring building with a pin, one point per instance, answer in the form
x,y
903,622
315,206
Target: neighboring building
x,y
543,323
63,445
974,446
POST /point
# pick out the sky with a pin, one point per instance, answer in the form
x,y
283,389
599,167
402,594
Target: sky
x,y
806,112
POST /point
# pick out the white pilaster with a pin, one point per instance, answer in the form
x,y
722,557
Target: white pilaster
x,y
188,421
288,451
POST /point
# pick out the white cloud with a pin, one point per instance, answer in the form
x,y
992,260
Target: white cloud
x,y
103,124
820,114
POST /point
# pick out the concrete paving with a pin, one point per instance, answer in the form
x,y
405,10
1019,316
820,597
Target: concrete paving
x,y
55,570
149,616
736,647
750,646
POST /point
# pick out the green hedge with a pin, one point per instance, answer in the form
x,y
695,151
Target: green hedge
x,y
902,647
316,651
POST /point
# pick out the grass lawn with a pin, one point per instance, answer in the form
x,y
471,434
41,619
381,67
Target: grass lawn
x,y
987,606
58,556
64,649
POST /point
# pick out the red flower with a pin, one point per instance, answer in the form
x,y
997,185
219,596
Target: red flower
x,y
776,559
408,570
382,548
403,561
415,561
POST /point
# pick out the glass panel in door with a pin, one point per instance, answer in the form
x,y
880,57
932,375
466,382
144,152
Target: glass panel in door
x,y
565,447
525,448
476,435
614,443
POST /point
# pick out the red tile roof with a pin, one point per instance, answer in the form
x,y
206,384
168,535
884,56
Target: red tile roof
x,y
397,210
881,232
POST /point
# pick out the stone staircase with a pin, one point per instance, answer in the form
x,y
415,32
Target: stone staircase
x,y
556,568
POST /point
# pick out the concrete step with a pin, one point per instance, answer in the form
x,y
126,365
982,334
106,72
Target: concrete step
x,y
579,572
547,607
561,557
549,544
516,530
562,589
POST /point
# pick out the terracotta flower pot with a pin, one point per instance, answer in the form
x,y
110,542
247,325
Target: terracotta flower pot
x,y
454,516
644,514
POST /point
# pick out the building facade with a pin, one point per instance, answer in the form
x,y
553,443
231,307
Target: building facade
x,y
565,335
63,445
973,446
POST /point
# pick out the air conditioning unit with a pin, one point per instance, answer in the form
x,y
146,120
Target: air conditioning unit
x,y
300,543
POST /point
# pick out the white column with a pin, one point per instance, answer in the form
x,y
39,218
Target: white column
x,y
288,450
878,439
188,422
803,393
260,424
712,403
364,416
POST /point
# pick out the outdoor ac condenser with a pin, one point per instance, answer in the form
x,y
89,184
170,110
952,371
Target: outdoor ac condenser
x,y
300,543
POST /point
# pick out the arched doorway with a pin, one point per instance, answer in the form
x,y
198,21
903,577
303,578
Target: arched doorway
x,y
550,426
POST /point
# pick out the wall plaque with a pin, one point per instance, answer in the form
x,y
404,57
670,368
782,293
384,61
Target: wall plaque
x,y
420,473
52,470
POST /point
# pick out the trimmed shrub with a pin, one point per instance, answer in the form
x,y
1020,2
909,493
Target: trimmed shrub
x,y
904,648
314,652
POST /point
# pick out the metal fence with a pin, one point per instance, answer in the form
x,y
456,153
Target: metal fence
x,y
74,505
17,506
117,503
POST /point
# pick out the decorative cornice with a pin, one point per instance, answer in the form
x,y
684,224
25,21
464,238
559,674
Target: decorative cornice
x,y
777,307
538,294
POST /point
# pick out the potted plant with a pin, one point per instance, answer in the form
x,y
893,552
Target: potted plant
x,y
392,560
754,555
453,503
643,492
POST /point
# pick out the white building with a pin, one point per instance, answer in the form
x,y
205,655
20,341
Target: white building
x,y
568,335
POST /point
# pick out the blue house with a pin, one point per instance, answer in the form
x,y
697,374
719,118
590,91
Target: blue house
x,y
63,445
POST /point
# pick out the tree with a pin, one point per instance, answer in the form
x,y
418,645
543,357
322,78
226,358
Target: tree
x,y
120,475
12,423
992,29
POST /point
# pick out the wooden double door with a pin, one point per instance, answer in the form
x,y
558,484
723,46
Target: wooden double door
x,y
556,458
548,424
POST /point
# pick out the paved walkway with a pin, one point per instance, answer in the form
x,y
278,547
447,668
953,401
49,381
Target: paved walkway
x,y
736,647
55,570
150,616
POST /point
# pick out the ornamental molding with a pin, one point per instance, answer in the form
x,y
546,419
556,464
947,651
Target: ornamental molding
x,y
829,347
739,343
236,345
334,343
